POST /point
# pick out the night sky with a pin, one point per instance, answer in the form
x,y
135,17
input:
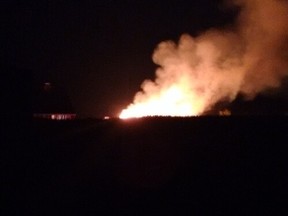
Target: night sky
x,y
99,52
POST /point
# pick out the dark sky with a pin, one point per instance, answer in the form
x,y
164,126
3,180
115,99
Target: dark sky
x,y
99,51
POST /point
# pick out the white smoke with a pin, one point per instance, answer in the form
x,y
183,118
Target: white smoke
x,y
218,65
264,31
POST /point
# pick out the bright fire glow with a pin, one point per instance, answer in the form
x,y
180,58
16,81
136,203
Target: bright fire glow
x,y
197,72
187,81
174,101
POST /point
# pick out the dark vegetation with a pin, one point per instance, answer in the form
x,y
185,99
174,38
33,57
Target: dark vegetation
x,y
152,166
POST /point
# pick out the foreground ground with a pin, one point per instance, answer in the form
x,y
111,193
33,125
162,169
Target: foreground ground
x,y
152,166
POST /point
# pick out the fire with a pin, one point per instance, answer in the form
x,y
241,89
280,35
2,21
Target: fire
x,y
174,101
197,72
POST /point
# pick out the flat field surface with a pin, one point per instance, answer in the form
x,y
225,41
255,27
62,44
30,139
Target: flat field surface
x,y
152,166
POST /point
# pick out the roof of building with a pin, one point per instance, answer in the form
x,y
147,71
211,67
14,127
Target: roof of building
x,y
49,99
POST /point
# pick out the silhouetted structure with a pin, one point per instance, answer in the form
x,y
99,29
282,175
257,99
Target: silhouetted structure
x,y
52,104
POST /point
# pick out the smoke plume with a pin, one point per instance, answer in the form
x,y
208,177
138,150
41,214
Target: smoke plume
x,y
249,58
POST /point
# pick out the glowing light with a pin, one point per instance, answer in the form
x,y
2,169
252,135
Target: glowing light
x,y
174,101
197,72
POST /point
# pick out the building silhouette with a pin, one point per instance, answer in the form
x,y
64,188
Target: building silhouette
x,y
51,103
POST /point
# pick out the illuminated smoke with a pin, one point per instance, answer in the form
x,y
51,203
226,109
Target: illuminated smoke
x,y
198,72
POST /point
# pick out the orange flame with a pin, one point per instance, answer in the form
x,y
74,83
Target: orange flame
x,y
176,100
197,72
169,103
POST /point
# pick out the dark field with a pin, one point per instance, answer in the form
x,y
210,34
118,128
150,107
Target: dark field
x,y
152,166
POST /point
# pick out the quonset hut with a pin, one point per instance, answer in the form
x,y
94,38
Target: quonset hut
x,y
52,104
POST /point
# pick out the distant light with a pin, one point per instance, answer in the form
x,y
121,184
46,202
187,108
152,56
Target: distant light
x,y
55,116
106,117
225,112
47,86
